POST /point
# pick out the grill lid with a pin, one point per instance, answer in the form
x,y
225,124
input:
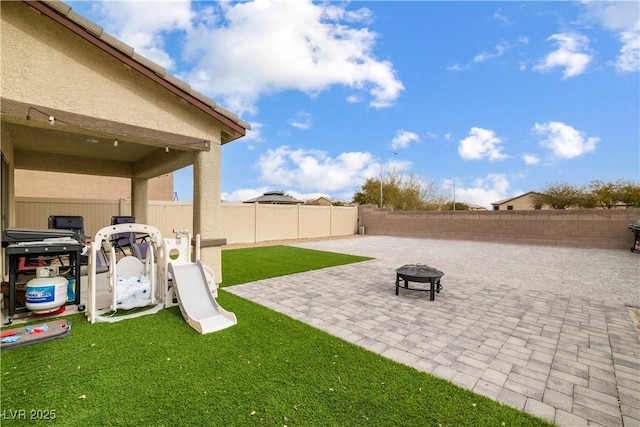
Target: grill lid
x,y
16,235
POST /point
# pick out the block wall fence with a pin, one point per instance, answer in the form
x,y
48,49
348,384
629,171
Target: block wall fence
x,y
597,228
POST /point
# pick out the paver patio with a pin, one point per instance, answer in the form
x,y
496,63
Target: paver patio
x,y
545,330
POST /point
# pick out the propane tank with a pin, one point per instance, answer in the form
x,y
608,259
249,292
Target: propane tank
x,y
47,292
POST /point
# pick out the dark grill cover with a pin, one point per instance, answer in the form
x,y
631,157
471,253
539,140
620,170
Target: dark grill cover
x,y
16,235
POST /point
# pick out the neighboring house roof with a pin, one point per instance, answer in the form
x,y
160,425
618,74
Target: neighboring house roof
x,y
502,202
473,207
320,200
275,197
326,200
61,13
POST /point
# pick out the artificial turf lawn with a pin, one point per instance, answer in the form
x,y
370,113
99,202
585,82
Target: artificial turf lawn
x,y
247,265
267,370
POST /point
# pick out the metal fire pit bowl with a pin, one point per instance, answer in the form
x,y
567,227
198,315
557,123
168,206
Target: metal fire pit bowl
x,y
419,273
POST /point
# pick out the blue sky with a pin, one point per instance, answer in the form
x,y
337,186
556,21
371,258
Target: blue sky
x,y
499,98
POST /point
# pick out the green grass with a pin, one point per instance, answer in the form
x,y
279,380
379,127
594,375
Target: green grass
x,y
248,265
267,370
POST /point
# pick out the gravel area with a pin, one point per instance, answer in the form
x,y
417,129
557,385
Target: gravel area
x,y
606,275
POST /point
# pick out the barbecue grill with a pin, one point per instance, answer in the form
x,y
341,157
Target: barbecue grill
x,y
25,244
635,227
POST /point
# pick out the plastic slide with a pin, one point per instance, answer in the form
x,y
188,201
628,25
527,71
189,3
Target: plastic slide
x,y
198,306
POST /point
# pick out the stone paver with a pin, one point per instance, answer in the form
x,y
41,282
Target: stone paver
x,y
572,358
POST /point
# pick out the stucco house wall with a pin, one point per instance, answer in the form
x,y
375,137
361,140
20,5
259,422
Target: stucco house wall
x,y
519,203
51,184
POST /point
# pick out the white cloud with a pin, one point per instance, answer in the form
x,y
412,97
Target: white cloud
x,y
243,194
564,141
301,121
569,55
614,15
403,138
620,17
629,58
484,191
314,169
145,28
255,133
500,49
531,159
243,50
251,193
480,144
500,17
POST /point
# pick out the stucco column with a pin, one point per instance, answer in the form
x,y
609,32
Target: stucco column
x,y
140,200
207,210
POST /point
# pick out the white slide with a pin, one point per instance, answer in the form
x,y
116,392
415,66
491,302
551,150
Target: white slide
x,y
198,306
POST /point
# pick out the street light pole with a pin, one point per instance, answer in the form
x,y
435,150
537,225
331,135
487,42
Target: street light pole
x,y
454,195
381,182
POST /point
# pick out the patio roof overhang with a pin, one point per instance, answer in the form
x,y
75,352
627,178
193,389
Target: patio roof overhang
x,y
83,144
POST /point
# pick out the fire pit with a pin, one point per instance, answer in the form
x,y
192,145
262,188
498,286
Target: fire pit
x,y
421,274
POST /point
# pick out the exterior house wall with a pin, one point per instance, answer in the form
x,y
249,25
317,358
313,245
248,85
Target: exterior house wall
x,y
520,203
53,184
598,228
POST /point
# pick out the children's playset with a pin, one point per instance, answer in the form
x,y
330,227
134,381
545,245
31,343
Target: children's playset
x,y
153,273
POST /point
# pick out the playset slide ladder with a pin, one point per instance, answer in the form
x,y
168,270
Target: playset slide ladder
x,y
198,306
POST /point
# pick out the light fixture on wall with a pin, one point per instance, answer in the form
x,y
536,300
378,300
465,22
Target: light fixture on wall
x,y
115,142
50,118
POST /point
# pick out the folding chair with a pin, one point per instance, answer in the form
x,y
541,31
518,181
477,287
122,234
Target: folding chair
x,y
68,222
73,223
120,241
140,250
